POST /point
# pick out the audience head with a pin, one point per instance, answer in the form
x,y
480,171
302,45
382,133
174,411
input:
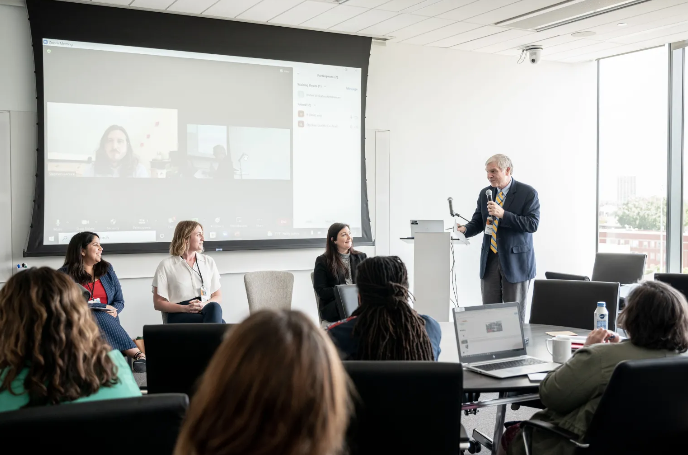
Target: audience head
x,y
388,327
48,328
288,396
339,240
188,237
656,317
115,151
499,170
84,251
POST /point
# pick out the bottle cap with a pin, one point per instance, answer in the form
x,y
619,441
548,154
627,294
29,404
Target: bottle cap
x,y
601,304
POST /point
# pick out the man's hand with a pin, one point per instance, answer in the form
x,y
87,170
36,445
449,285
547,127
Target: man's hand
x,y
601,336
495,210
461,229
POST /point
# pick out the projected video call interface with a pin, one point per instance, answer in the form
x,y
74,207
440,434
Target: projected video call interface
x,y
138,139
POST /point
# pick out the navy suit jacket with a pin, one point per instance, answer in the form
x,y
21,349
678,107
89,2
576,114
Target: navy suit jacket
x,y
514,234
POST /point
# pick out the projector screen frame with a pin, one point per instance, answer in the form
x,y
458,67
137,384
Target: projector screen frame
x,y
161,30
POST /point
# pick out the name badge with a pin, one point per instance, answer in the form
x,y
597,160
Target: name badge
x,y
489,229
94,300
204,294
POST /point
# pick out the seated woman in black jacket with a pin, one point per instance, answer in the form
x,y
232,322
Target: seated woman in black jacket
x,y
337,266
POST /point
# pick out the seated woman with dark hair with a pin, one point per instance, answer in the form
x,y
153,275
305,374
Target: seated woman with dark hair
x,y
288,396
337,266
51,351
385,327
656,321
85,265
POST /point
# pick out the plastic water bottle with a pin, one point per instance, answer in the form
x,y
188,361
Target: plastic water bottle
x,y
601,316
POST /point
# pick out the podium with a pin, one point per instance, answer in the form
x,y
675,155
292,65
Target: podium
x,y
432,273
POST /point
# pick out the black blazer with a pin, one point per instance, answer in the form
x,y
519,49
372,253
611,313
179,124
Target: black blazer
x,y
324,282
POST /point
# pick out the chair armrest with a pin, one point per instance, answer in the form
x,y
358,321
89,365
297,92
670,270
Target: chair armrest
x,y
528,425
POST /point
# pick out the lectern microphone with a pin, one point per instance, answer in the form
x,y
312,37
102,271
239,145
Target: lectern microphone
x,y
451,209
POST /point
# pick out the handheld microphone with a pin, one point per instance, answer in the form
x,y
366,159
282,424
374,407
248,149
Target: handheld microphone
x,y
488,193
451,209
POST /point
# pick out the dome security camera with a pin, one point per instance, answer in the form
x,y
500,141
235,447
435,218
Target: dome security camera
x,y
534,53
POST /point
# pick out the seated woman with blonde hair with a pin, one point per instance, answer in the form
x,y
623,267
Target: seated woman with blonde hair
x,y
288,396
186,285
51,351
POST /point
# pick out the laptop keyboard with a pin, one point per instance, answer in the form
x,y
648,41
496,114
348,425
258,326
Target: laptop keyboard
x,y
509,364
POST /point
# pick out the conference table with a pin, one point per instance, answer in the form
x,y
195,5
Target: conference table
x,y
520,386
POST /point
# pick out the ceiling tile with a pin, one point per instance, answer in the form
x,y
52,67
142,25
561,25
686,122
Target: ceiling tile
x,y
191,6
420,28
441,7
442,33
492,39
399,5
583,50
468,36
568,46
152,4
334,16
533,38
365,20
512,10
475,9
366,3
114,2
642,22
421,5
393,24
230,8
267,9
302,12
673,29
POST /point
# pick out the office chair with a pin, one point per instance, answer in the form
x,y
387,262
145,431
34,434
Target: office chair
x,y
623,268
621,423
565,276
572,303
269,290
148,424
406,407
178,354
678,281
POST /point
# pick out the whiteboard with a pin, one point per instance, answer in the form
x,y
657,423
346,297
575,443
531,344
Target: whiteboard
x,y
5,199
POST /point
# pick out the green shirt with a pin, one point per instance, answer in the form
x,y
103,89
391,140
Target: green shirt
x,y
125,388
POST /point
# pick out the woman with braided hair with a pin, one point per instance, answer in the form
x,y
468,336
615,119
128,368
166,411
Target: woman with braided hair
x,y
385,327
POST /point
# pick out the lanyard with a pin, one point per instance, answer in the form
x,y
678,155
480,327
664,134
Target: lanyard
x,y
92,289
197,266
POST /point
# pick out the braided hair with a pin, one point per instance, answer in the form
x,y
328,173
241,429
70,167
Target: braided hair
x,y
386,325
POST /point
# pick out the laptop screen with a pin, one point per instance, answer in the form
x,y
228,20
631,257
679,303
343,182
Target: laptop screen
x,y
487,330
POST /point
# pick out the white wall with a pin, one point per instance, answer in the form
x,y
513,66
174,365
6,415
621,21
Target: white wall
x,y
447,111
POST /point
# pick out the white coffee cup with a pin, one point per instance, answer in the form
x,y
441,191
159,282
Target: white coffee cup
x,y
561,349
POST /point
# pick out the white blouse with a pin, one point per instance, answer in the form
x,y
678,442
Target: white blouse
x,y
177,281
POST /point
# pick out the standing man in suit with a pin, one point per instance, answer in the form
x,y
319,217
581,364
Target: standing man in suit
x,y
507,260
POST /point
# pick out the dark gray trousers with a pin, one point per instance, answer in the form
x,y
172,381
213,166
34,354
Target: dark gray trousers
x,y
496,289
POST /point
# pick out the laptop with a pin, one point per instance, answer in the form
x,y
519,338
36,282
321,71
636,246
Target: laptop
x,y
346,299
490,341
426,226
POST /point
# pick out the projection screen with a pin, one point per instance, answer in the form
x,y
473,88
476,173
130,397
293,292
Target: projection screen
x,y
146,119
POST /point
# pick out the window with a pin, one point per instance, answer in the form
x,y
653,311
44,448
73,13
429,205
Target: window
x,y
633,154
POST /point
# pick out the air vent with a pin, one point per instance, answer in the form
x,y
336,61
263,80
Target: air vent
x,y
566,13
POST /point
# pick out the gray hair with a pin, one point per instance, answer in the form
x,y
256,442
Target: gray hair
x,y
502,161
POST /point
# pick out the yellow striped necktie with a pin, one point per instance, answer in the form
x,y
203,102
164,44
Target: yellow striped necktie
x,y
495,225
